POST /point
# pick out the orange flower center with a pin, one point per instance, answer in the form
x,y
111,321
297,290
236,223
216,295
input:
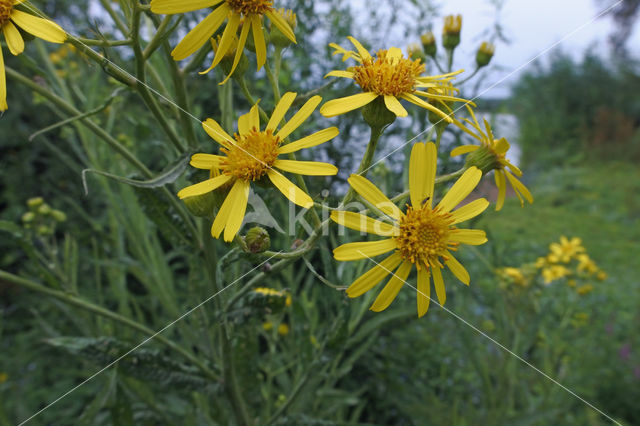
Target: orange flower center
x,y
388,76
252,156
424,236
248,7
5,10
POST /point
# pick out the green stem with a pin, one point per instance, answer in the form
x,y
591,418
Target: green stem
x,y
88,306
365,164
231,381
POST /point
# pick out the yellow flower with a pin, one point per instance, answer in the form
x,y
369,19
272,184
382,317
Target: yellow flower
x,y
283,329
252,154
491,155
423,236
565,250
389,75
554,272
515,275
585,289
39,27
3,377
601,275
267,326
247,14
586,264
452,25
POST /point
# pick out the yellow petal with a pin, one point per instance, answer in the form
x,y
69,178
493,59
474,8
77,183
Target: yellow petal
x,y
364,53
249,121
360,222
438,283
242,41
346,104
13,38
502,188
458,270
308,168
394,53
501,146
216,132
487,127
299,118
338,73
226,40
372,194
460,150
469,210
395,106
258,40
3,84
170,7
282,25
423,291
373,276
459,191
206,161
364,250
280,110
312,140
204,187
430,169
520,188
292,192
473,237
417,179
238,209
201,33
391,290
225,212
42,28
416,100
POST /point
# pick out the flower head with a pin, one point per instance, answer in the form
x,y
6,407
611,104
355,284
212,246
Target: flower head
x,y
243,15
389,75
492,155
452,25
39,27
423,235
485,54
428,41
565,250
253,154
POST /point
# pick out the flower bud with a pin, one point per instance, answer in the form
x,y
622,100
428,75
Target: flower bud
x,y
34,203
277,38
283,329
451,31
415,52
269,299
257,240
227,60
377,115
58,216
44,209
429,44
28,217
484,54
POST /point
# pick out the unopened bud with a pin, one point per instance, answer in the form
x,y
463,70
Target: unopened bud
x,y
451,31
429,44
277,37
34,203
415,52
257,240
484,54
28,217
58,215
227,60
44,209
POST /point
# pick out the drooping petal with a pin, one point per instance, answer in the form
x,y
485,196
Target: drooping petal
x,y
438,283
3,84
307,168
217,133
258,40
226,40
280,110
203,187
394,105
346,104
423,292
460,150
338,73
458,270
364,53
242,41
372,194
312,140
391,290
238,209
291,191
417,101
360,222
520,188
201,33
13,38
300,117
373,276
170,7
417,181
502,188
206,161
469,210
364,250
459,191
473,237
282,25
42,28
225,212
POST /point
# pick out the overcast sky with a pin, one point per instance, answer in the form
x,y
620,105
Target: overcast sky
x,y
534,27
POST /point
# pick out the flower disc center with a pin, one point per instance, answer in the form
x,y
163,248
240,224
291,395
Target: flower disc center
x,y
385,75
248,7
252,156
5,10
424,236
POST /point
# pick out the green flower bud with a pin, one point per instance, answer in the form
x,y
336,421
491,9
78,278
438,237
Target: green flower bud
x,y
377,115
451,31
416,53
276,36
44,230
34,203
429,44
28,217
268,298
59,216
44,209
484,54
257,240
227,61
